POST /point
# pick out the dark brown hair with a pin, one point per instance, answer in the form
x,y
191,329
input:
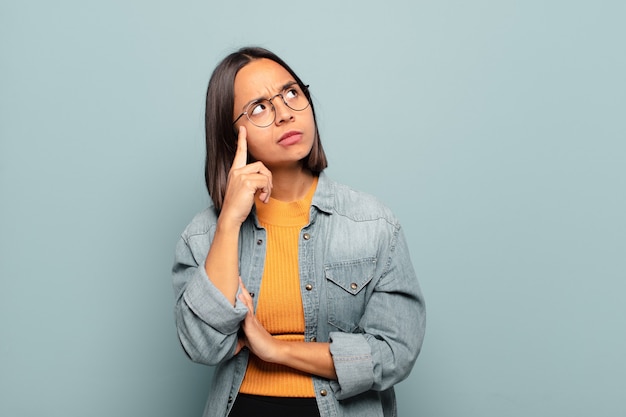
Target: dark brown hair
x,y
221,138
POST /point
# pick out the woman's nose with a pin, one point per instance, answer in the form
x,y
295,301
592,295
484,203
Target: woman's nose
x,y
283,112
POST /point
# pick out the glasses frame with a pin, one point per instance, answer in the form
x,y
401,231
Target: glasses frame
x,y
305,91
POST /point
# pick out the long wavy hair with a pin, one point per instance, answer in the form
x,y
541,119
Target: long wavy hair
x,y
221,137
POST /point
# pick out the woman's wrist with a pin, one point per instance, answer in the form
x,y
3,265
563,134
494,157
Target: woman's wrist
x,y
227,225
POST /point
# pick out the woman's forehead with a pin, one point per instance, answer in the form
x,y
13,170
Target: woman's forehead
x,y
261,77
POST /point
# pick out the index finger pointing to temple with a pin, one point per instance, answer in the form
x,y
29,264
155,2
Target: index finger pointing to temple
x,y
241,155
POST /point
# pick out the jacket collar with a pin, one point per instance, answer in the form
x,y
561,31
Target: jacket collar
x,y
324,197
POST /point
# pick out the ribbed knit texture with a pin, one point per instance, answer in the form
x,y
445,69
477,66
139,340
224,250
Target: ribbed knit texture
x,y
279,306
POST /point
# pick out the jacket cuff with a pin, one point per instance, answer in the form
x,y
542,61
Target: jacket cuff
x,y
210,305
352,357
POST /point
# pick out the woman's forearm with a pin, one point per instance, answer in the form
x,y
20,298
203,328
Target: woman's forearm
x,y
222,261
310,357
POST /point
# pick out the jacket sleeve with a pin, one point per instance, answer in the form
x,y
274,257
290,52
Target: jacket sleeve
x,y
383,350
207,324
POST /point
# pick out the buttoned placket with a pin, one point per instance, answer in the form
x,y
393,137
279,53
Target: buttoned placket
x,y
310,286
256,235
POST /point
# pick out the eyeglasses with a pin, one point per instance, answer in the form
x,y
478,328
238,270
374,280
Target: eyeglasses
x,y
262,113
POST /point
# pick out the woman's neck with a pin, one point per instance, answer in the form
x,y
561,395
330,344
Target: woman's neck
x,y
291,184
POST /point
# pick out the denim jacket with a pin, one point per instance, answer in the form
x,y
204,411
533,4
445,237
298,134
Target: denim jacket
x,y
359,292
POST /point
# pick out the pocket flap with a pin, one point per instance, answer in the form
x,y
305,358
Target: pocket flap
x,y
352,276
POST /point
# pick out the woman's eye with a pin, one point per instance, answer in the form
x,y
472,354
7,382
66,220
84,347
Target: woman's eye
x,y
258,109
291,93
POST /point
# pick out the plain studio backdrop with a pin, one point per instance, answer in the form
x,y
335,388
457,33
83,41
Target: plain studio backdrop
x,y
494,129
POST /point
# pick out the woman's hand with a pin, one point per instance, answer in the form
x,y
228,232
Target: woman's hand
x,y
245,181
256,338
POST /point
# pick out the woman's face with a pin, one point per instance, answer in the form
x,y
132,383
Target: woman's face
x,y
289,139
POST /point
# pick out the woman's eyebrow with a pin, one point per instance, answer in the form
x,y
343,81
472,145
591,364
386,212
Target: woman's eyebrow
x,y
287,85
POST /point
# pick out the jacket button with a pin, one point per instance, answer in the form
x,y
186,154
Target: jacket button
x,y
354,286
308,287
313,339
230,399
252,294
259,242
323,393
306,236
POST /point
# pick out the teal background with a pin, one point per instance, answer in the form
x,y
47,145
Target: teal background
x,y
494,129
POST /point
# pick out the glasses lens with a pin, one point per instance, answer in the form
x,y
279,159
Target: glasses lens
x,y
261,113
294,98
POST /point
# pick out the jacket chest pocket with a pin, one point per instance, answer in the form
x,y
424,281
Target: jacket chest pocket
x,y
346,284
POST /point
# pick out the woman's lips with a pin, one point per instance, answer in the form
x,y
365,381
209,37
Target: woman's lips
x,y
290,138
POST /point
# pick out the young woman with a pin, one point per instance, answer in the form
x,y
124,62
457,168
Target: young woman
x,y
299,289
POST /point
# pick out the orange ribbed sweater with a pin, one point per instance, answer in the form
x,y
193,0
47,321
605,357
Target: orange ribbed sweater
x,y
279,306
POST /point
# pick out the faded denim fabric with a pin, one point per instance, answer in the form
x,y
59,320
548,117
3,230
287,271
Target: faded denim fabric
x,y
359,291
